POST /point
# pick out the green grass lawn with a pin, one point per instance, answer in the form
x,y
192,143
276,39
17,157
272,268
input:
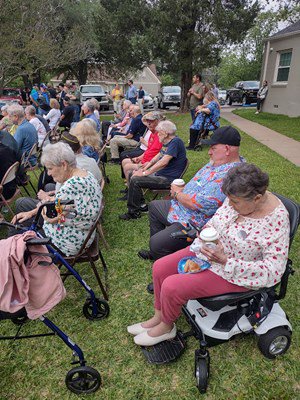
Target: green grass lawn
x,y
35,369
283,124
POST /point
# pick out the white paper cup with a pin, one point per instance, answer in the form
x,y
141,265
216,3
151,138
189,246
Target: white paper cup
x,y
209,236
178,182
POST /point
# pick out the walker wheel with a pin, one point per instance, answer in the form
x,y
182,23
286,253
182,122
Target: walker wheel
x,y
201,371
102,309
275,342
83,380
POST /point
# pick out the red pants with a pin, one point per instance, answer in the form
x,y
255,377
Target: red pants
x,y
173,290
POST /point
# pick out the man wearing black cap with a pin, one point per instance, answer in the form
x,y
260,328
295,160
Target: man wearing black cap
x,y
198,200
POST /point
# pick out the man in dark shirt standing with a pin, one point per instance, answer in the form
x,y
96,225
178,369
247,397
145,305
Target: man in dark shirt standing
x,y
158,173
132,138
67,115
141,95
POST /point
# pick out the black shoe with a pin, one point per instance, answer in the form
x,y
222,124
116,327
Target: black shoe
x,y
189,148
145,255
123,198
150,288
124,191
144,208
128,216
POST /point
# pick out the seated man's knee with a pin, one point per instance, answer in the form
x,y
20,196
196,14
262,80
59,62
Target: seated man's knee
x,y
153,205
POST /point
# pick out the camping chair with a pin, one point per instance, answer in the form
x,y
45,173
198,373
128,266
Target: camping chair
x,y
9,176
91,254
166,192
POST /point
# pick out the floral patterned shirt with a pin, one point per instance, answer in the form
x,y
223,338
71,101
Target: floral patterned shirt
x,y
208,121
87,196
206,193
257,249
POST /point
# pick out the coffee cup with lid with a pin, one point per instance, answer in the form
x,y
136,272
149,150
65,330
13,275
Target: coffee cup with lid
x,y
209,237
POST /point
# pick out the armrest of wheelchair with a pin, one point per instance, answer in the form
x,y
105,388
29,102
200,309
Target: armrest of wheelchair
x,y
38,241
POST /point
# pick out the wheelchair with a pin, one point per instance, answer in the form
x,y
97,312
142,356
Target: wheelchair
x,y
215,320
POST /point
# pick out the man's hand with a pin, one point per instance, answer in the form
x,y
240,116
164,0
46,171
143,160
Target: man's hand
x,y
175,189
139,172
41,195
215,254
21,217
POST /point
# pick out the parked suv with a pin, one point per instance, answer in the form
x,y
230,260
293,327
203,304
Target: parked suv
x,y
244,92
169,96
96,91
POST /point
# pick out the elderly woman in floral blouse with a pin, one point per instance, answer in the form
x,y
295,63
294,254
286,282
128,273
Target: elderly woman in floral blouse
x,y
253,228
76,184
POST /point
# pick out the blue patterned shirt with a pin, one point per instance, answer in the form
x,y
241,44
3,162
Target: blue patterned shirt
x,y
205,191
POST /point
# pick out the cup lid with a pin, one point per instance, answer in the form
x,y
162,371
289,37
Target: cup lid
x,y
209,234
178,181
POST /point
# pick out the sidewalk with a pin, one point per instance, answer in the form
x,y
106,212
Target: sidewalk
x,y
283,145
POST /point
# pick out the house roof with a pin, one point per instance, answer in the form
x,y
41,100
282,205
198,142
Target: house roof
x,y
289,30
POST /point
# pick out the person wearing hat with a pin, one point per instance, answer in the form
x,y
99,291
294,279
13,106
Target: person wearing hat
x,y
198,200
149,147
46,184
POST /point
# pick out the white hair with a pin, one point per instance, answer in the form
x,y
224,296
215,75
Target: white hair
x,y
16,110
30,110
55,154
167,126
89,105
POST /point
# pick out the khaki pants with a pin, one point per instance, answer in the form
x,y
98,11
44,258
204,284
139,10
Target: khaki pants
x,y
120,141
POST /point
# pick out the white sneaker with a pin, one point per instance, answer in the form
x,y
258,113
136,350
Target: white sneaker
x,y
143,339
257,112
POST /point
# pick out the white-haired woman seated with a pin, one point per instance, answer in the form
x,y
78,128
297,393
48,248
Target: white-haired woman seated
x,y
76,184
251,253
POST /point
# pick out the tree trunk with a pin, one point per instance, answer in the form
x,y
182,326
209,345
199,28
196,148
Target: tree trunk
x,y
82,72
186,79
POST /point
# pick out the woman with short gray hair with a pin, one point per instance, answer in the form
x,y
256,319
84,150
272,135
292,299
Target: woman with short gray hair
x,y
76,184
5,123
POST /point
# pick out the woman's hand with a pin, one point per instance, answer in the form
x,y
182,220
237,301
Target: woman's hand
x,y
50,220
215,254
21,217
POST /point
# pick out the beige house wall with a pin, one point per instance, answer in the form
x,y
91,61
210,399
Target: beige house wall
x,y
283,97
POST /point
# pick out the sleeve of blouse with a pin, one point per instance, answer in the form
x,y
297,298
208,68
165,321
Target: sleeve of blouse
x,y
268,271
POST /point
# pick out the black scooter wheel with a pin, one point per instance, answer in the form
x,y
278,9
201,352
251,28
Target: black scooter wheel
x,y
275,342
102,309
83,380
201,371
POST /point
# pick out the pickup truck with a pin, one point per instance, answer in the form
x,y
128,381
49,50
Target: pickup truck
x,y
244,92
95,91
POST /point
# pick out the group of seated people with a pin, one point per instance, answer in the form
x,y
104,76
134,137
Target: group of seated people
x,y
226,194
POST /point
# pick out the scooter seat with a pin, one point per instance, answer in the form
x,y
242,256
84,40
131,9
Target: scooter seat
x,y
215,303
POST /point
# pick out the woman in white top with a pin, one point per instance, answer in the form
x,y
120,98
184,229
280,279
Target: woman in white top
x,y
54,114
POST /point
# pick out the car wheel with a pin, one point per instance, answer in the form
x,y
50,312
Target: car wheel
x,y
162,105
245,101
229,101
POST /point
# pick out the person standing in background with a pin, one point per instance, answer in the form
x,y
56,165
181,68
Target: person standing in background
x,y
141,95
131,93
196,94
261,95
117,95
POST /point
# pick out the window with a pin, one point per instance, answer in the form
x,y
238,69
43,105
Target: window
x,y
284,66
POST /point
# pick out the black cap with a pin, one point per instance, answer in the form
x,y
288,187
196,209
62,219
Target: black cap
x,y
224,135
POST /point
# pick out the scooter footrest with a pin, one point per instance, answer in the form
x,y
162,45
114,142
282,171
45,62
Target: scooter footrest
x,y
165,352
